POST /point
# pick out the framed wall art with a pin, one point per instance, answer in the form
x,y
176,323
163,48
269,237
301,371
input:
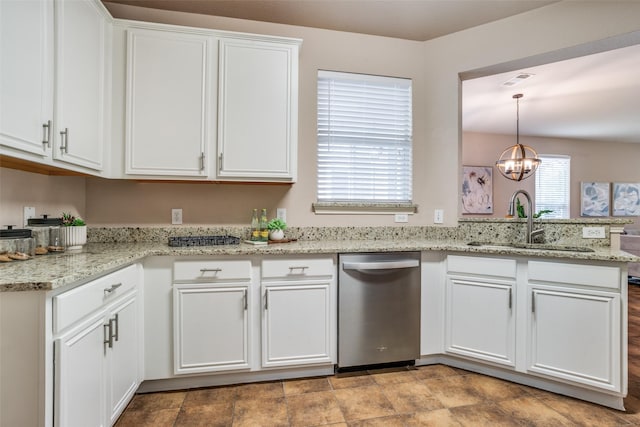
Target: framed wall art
x,y
477,189
595,198
626,199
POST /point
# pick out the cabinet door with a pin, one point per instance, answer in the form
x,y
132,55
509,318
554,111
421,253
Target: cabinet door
x,y
123,357
210,327
80,375
168,103
575,335
26,75
81,30
296,326
257,110
480,319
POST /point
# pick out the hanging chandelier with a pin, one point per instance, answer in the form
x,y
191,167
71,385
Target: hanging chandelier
x,y
518,161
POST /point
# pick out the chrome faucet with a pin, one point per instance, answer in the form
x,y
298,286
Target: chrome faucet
x,y
512,208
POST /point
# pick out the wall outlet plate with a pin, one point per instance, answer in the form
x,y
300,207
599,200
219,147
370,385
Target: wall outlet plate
x,y
401,218
438,216
282,214
593,233
29,212
176,216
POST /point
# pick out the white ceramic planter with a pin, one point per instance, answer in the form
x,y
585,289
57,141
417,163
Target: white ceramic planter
x,y
74,237
276,234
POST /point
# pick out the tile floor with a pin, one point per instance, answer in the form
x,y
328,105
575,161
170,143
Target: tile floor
x,y
425,396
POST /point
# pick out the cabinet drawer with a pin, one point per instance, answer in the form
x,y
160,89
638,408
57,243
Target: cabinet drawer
x,y
211,270
298,267
481,265
575,274
83,300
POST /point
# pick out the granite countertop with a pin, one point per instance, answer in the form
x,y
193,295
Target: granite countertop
x,y
51,272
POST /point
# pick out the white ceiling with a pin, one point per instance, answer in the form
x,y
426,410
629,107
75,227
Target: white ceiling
x,y
593,97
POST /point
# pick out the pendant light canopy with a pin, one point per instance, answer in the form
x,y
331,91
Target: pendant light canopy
x,y
518,161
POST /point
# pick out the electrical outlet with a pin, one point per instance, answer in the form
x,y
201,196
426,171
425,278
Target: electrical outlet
x,y
29,212
593,233
438,216
176,216
401,218
282,214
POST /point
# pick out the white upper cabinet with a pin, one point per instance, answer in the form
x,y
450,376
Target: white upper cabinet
x,y
257,110
210,105
81,83
26,76
169,113
75,36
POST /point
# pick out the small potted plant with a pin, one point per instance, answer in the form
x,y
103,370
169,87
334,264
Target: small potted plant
x,y
276,229
74,231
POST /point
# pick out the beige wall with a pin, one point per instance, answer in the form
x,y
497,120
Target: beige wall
x,y
50,195
433,66
591,161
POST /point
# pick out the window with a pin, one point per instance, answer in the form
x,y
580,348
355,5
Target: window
x,y
552,185
364,138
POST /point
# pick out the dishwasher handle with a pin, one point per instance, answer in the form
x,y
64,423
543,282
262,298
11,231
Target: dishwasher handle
x,y
381,265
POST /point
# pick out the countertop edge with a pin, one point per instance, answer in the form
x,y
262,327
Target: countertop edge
x,y
52,272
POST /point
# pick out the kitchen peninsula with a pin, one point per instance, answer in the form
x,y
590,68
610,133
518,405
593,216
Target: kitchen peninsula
x,y
501,310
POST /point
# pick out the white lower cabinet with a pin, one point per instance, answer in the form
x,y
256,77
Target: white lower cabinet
x,y
299,311
80,376
480,320
97,358
211,315
480,309
211,326
220,326
575,336
296,326
123,373
575,331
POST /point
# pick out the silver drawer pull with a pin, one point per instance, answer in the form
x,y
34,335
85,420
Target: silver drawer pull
x,y
210,270
302,268
107,291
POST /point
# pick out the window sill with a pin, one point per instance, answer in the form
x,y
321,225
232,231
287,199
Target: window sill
x,y
363,208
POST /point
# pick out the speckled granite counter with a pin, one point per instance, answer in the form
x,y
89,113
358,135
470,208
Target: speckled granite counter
x,y
50,272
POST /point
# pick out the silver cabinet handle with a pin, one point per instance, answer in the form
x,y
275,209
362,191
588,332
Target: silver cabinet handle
x,y
210,270
113,287
246,300
108,337
202,161
266,300
46,133
117,327
533,302
383,265
302,267
510,299
64,141
220,163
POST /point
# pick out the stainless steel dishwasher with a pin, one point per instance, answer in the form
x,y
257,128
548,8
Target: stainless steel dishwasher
x,y
378,308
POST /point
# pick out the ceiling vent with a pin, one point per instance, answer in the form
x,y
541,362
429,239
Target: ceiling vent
x,y
517,79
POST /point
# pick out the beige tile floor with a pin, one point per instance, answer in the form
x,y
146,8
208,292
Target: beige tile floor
x,y
425,396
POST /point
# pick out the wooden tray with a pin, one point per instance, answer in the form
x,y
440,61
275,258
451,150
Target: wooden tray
x,y
272,242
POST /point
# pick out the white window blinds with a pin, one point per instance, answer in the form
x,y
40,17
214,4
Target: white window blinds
x,y
364,138
552,185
